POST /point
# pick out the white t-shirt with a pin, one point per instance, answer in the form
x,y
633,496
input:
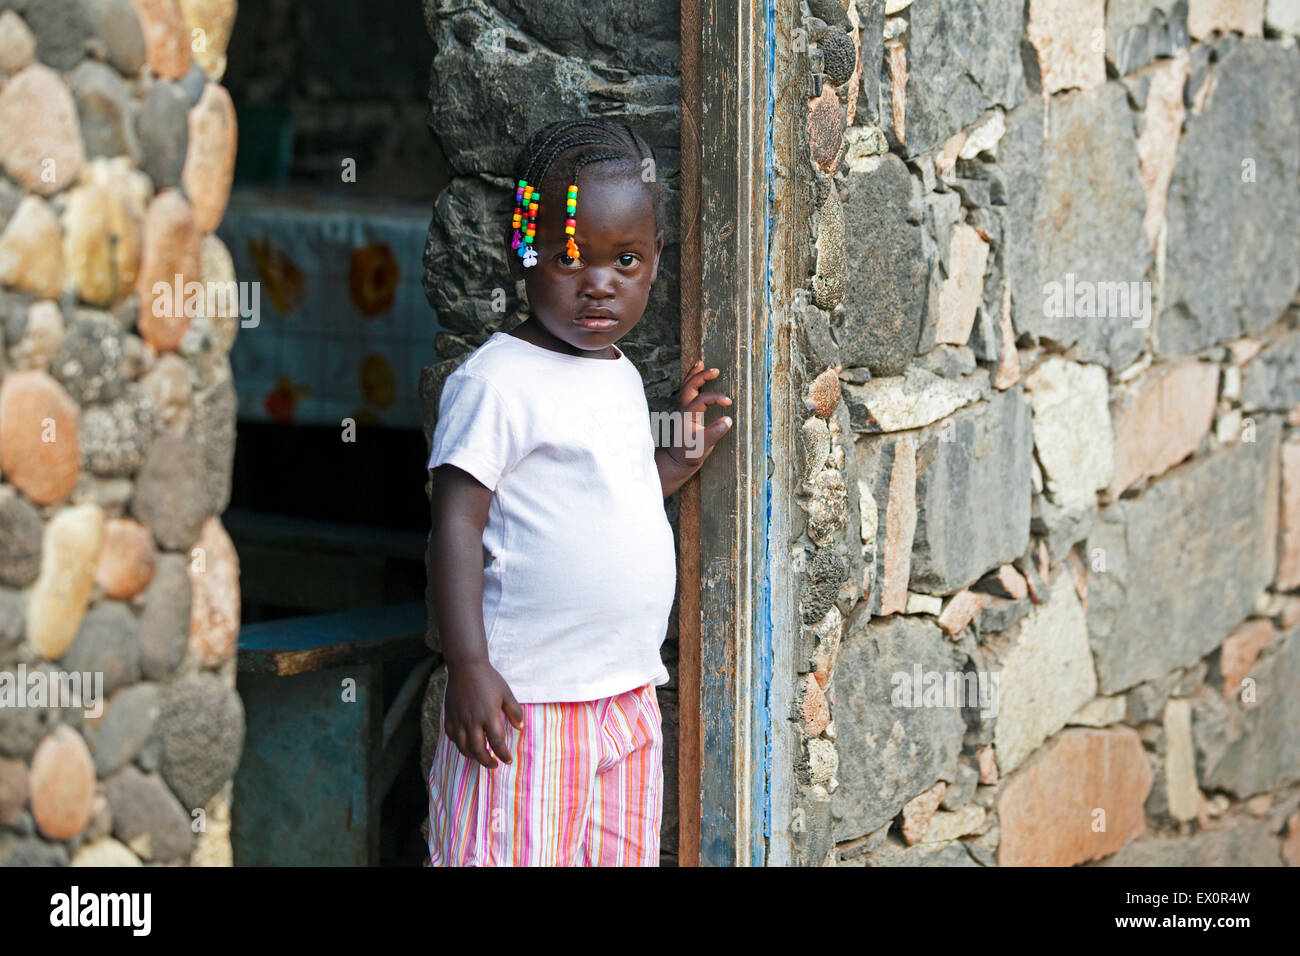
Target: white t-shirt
x,y
583,571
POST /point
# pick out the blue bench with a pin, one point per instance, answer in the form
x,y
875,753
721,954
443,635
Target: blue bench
x,y
332,708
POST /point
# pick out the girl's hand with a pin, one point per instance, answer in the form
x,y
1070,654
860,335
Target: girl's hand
x,y
697,438
475,699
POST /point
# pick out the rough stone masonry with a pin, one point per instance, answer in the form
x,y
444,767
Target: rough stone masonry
x,y
1091,506
117,150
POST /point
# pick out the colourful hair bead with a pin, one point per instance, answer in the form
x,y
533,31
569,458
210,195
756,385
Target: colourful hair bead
x,y
524,221
570,225
516,241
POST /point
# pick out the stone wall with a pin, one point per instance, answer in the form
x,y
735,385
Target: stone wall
x,y
117,145
502,69
1051,360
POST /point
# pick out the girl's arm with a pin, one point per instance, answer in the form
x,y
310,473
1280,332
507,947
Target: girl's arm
x,y
476,694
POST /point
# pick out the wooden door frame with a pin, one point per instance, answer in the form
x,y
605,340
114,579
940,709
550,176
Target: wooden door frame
x,y
733,753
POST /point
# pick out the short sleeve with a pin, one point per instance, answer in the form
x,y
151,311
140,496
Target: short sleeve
x,y
474,431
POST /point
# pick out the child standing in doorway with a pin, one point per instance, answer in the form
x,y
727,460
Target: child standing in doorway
x,y
552,558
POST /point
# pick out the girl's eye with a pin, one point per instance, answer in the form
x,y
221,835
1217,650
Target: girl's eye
x,y
565,259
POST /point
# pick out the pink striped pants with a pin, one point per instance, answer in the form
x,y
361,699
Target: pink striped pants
x,y
585,789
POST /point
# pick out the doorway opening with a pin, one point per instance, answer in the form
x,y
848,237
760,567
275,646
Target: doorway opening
x,y
335,176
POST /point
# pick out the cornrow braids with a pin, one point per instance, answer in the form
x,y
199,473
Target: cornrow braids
x,y
581,141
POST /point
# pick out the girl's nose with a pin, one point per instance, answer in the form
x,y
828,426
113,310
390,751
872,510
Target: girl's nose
x,y
597,279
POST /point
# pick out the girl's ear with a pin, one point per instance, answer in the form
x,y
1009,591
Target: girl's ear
x,y
659,248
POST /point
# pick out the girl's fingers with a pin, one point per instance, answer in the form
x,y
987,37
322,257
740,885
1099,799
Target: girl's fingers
x,y
696,379
497,740
698,375
479,750
704,400
514,713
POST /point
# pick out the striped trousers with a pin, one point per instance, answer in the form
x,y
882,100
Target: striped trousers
x,y
585,789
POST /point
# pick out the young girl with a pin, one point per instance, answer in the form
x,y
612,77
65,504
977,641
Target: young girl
x,y
553,562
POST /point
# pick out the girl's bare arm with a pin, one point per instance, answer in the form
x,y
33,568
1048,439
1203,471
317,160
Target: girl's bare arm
x,y
476,694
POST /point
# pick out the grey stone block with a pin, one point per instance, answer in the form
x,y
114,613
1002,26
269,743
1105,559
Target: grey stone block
x,y
21,532
22,728
1184,562
894,852
880,319
1246,843
91,364
11,621
162,127
147,815
107,644
170,497
963,56
202,726
212,429
1074,217
1271,380
165,621
116,436
1233,260
29,851
62,30
1138,31
871,56
973,489
488,92
115,23
1254,748
888,753
129,721
104,106
828,569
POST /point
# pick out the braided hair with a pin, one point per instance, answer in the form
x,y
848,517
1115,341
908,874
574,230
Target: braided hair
x,y
572,144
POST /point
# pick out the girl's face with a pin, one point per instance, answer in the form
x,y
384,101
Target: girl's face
x,y
619,259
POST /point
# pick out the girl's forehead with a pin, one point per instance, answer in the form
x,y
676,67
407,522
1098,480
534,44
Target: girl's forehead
x,y
611,191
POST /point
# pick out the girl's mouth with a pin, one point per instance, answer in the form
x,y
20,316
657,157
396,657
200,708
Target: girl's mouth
x,y
596,323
